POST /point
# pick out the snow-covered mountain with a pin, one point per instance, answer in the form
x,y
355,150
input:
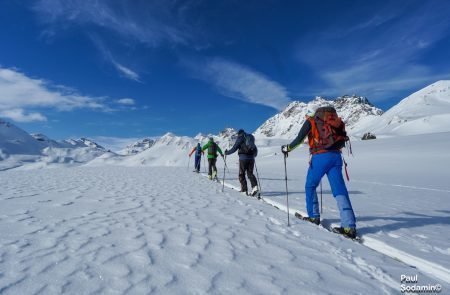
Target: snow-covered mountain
x,y
69,143
18,148
287,123
81,143
14,140
225,138
137,146
425,111
46,141
168,150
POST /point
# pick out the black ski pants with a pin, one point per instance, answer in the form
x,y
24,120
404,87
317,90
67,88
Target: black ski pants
x,y
247,166
212,165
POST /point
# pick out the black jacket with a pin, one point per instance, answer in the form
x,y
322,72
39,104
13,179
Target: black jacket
x,y
238,145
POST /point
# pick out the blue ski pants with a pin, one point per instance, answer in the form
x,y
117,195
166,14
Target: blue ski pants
x,y
329,163
197,162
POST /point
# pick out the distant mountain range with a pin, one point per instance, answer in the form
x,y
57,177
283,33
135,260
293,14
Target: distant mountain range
x,y
425,111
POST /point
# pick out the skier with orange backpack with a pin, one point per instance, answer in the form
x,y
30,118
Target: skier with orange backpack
x,y
326,137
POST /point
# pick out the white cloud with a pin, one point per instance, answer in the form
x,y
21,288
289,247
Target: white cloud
x,y
126,72
19,115
107,55
240,82
126,101
21,96
155,23
20,91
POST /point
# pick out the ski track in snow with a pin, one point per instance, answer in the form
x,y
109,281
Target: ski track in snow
x,y
404,186
428,267
164,230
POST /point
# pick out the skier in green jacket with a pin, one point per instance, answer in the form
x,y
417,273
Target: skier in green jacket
x,y
212,148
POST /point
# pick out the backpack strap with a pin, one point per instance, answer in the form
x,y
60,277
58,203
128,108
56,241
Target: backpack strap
x,y
345,168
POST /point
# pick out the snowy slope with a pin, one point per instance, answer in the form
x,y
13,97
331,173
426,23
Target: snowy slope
x,y
81,143
161,230
48,142
137,147
287,123
14,140
169,150
425,111
20,149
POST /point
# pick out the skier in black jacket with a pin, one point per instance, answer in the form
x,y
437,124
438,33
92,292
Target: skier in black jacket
x,y
245,143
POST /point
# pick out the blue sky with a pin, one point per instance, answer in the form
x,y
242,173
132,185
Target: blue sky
x,y
130,69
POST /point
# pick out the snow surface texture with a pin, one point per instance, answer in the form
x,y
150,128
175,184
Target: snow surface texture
x,y
115,229
167,230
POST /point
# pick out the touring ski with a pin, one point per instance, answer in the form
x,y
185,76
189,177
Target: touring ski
x,y
330,229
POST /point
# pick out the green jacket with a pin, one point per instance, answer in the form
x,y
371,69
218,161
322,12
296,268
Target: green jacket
x,y
211,156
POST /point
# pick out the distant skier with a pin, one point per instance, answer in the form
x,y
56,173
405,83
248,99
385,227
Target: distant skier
x,y
198,156
212,148
245,143
326,137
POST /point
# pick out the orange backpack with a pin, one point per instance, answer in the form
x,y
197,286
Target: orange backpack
x,y
327,131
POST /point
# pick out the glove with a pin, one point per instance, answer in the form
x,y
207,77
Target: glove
x,y
226,151
285,150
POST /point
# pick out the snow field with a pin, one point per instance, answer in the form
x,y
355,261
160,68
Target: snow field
x,y
131,230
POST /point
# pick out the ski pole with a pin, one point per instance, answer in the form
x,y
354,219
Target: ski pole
x,y
189,162
321,205
259,182
225,165
287,193
204,164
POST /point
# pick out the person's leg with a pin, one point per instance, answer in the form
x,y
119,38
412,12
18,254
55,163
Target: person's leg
x,y
197,163
214,167
340,193
242,179
250,175
210,164
316,171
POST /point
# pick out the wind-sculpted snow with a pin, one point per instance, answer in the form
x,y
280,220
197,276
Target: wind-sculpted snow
x,y
169,231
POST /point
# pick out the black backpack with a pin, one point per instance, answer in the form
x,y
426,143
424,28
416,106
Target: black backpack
x,y
248,146
198,151
212,149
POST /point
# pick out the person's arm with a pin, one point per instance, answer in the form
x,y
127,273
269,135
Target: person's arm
x,y
235,146
304,131
190,154
205,146
220,151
